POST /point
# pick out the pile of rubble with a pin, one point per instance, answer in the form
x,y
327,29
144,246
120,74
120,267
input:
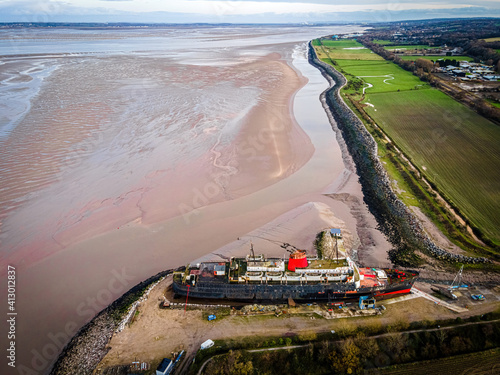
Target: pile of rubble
x,y
263,309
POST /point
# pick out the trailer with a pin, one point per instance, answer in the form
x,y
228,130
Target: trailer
x,y
207,344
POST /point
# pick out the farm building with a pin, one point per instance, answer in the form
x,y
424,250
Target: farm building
x,y
492,77
458,73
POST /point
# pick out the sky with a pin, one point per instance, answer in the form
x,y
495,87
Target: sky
x,y
241,11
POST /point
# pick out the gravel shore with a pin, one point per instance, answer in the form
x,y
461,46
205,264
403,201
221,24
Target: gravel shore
x,y
89,346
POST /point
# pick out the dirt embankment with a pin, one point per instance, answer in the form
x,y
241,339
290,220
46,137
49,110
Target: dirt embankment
x,y
396,221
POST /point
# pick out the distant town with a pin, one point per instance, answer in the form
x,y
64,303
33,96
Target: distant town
x,y
460,57
467,71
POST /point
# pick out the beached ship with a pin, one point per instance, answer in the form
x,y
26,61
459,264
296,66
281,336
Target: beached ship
x,y
302,278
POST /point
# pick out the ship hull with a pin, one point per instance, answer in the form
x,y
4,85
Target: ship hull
x,y
281,292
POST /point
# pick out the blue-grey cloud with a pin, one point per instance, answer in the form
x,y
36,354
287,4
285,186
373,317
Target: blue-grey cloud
x,y
394,4
373,2
64,11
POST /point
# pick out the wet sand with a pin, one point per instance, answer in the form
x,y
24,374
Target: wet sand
x,y
203,154
260,144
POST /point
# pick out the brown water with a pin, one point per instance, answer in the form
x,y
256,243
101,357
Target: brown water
x,y
124,154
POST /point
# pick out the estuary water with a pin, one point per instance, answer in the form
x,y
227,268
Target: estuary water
x,y
127,152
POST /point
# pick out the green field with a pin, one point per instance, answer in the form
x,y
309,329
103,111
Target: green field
x,y
340,44
409,47
348,49
382,42
435,58
383,75
458,148
455,147
498,51
493,103
483,363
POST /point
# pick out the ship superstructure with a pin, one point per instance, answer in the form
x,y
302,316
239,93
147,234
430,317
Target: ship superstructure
x,y
300,277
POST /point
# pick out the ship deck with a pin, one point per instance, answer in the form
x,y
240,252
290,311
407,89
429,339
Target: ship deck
x,y
327,263
370,278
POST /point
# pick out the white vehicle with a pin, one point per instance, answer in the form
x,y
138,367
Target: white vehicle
x,y
207,344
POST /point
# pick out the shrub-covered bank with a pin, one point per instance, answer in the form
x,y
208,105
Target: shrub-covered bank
x,y
395,220
356,352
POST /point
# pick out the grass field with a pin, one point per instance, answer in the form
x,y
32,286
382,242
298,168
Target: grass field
x,y
348,50
435,58
455,147
383,75
492,39
493,103
409,47
340,44
483,363
382,42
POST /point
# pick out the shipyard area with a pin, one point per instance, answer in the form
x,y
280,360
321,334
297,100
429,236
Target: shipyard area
x,y
259,304
156,332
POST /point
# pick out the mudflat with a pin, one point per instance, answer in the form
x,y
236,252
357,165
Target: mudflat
x,y
137,153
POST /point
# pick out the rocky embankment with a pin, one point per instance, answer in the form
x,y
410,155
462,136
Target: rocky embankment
x,y
89,346
395,220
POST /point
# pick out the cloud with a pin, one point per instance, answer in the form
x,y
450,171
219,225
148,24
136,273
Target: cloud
x,y
239,11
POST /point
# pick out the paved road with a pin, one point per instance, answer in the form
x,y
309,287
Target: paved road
x,y
457,309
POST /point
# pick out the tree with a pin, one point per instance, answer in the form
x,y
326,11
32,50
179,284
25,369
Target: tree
x,y
368,348
457,345
347,361
426,65
429,351
394,346
232,363
243,368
